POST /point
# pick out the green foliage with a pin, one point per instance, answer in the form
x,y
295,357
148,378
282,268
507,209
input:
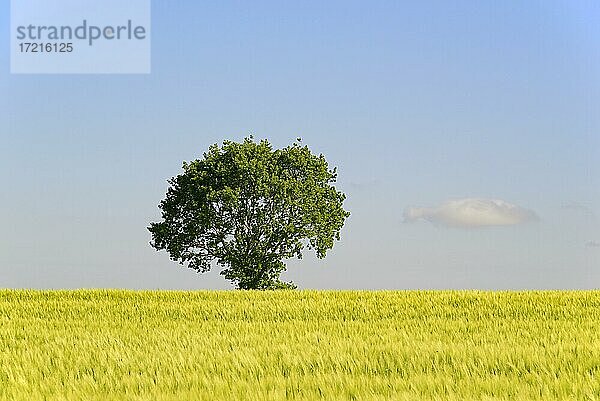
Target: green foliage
x,y
301,345
248,207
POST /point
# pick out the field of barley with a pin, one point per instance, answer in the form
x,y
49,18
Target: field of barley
x,y
300,345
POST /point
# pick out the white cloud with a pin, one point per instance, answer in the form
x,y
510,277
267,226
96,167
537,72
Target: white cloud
x,y
471,213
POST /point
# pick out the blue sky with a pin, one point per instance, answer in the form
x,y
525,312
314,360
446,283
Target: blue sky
x,y
419,105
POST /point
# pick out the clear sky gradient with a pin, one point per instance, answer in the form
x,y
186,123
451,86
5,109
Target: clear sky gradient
x,y
420,105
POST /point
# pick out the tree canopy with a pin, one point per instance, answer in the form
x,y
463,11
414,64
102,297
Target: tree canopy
x,y
247,208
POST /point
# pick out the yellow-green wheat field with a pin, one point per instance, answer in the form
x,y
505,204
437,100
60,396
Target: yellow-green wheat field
x,y
299,345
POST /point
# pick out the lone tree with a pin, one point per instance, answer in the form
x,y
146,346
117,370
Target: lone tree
x,y
248,207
